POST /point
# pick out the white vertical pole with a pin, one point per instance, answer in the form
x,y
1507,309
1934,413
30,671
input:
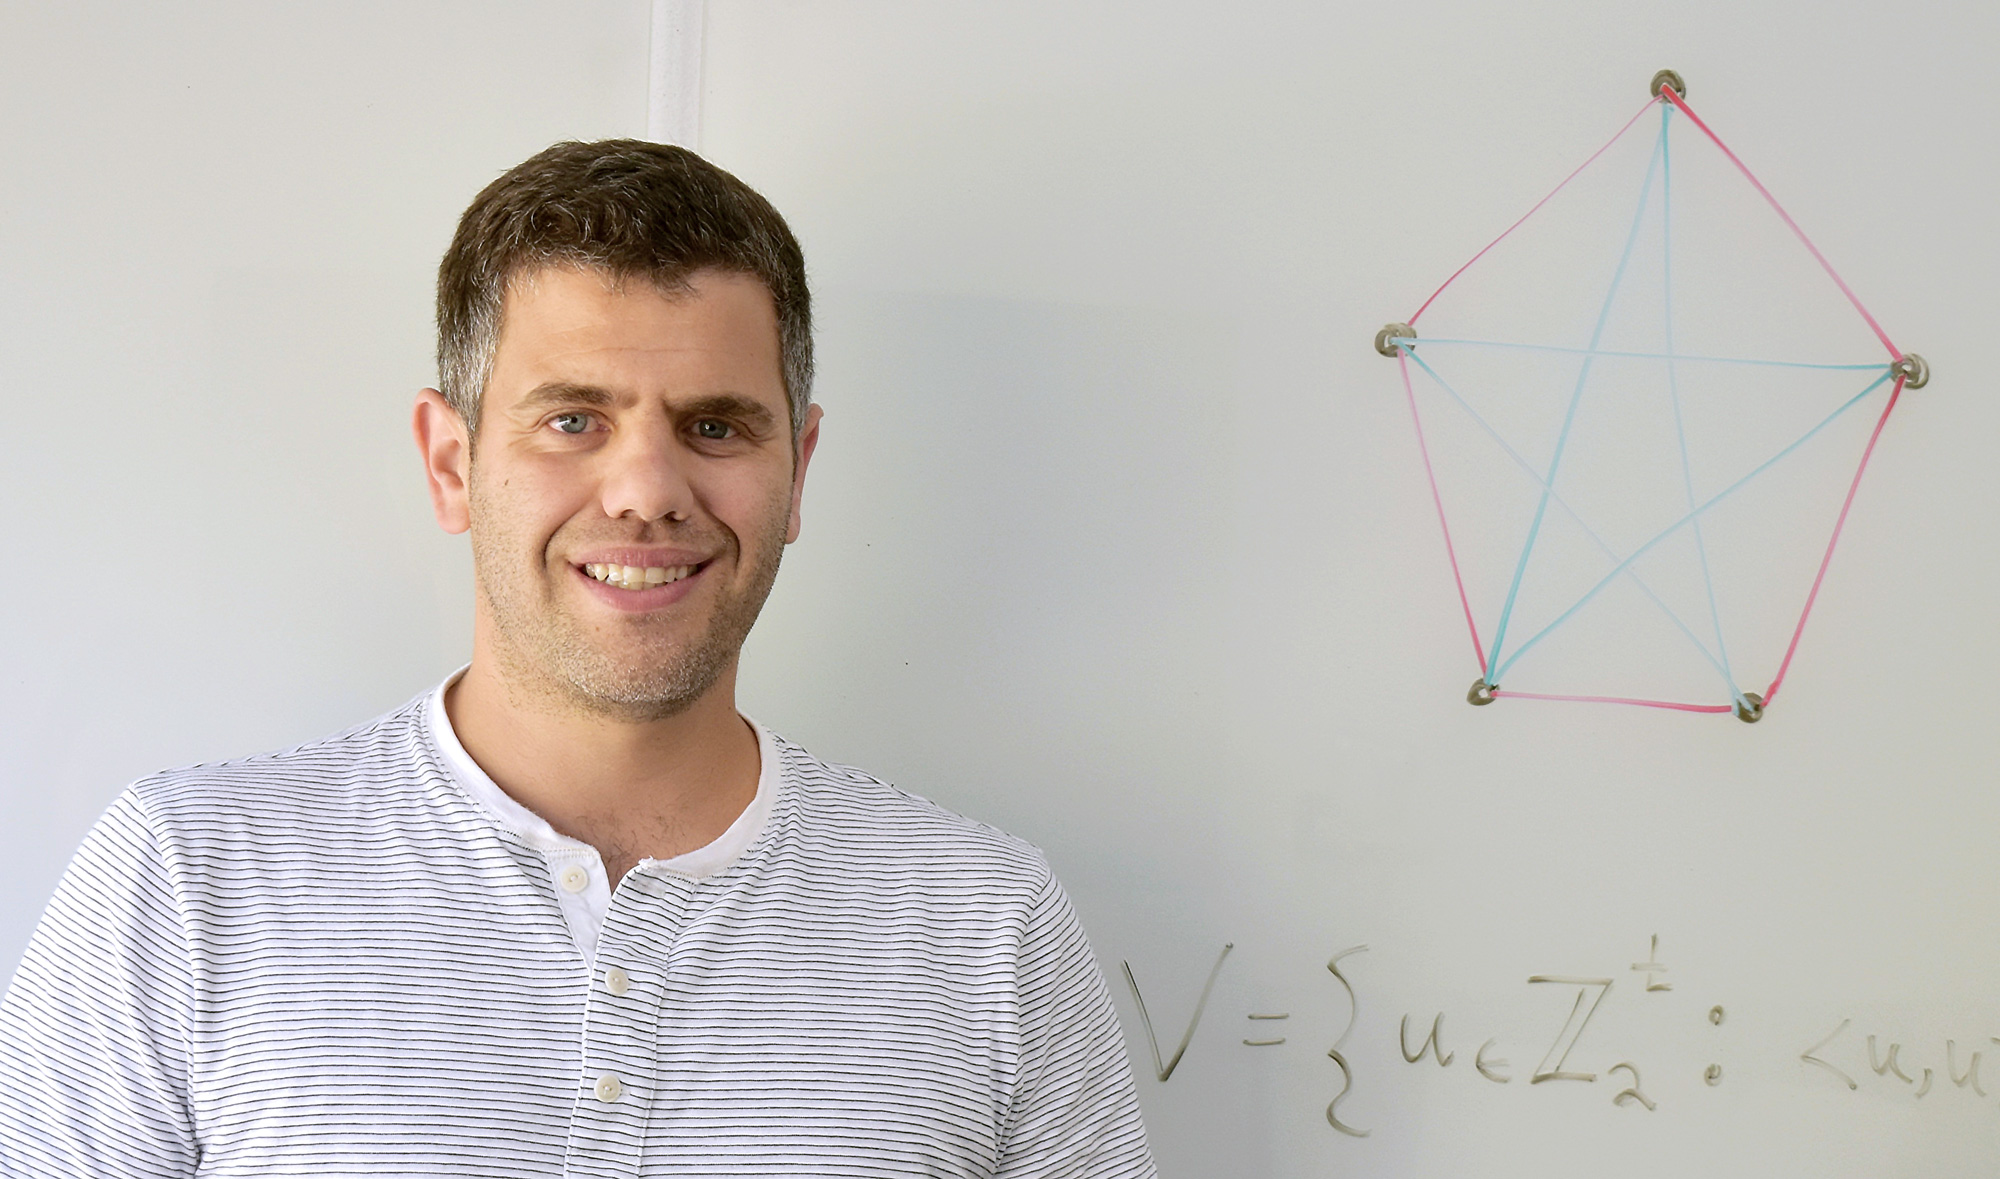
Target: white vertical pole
x,y
673,108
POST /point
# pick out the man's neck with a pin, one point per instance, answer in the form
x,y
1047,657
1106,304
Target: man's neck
x,y
633,789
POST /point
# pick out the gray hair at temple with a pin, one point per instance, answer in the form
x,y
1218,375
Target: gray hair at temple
x,y
630,209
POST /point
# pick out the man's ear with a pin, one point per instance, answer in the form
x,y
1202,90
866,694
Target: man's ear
x,y
446,447
808,440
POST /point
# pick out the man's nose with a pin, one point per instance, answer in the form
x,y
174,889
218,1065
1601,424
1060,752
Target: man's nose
x,y
647,475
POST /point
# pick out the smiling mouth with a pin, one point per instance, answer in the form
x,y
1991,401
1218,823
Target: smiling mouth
x,y
633,577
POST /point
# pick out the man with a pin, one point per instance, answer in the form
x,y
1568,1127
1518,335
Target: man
x,y
570,913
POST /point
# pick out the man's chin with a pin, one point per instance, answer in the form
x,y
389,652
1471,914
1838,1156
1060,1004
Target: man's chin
x,y
639,692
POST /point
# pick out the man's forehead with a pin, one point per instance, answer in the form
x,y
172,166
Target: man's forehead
x,y
559,312
578,337
536,281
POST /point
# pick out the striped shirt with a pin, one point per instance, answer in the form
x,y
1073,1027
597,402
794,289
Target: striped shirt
x,y
345,959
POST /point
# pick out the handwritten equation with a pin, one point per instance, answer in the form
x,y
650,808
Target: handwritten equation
x,y
1845,1052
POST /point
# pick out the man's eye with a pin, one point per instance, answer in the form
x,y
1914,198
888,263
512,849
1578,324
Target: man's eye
x,y
712,430
571,423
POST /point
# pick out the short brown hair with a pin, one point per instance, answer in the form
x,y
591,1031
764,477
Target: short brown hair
x,y
631,209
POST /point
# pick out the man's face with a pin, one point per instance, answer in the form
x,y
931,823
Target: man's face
x,y
632,486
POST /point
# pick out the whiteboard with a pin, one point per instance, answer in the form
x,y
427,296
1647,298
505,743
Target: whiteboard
x,y
1120,540
1117,538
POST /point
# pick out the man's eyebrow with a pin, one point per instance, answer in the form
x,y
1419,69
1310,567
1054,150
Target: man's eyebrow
x,y
747,410
565,393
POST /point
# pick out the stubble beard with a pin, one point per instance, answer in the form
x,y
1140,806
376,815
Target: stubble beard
x,y
645,675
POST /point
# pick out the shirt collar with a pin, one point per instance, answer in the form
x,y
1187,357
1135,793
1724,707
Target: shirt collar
x,y
698,864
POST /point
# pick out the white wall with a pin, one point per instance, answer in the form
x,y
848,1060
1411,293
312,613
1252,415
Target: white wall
x,y
221,222
1117,536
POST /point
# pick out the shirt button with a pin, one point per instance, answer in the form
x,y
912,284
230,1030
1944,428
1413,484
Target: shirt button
x,y
609,1088
617,981
574,878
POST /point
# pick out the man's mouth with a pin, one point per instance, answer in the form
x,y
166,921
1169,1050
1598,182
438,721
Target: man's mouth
x,y
633,577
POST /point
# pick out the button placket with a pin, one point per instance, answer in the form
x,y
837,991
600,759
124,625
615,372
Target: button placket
x,y
620,1044
581,892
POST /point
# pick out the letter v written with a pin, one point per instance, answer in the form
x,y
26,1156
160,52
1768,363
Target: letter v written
x,y
1572,1030
1163,1071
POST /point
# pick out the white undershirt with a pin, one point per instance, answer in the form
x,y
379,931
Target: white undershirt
x,y
583,887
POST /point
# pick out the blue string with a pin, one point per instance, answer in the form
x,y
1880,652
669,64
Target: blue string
x,y
1877,383
1602,545
1569,417
1674,386
1412,343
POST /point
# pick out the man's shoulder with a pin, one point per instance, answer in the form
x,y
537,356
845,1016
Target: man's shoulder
x,y
864,817
375,760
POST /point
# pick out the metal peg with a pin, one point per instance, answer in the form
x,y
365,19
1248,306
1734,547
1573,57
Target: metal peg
x,y
1752,714
1916,373
1391,332
1669,80
1481,693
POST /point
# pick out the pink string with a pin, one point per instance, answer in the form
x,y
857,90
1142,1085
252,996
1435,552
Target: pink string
x,y
1478,648
1678,707
1771,692
1667,92
1531,212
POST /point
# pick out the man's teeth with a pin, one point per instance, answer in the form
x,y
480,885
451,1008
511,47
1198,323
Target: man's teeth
x,y
633,577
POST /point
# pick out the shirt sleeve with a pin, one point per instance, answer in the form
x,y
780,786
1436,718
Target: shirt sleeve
x,y
1074,1113
94,1026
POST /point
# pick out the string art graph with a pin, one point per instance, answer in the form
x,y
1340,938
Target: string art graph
x,y
1646,478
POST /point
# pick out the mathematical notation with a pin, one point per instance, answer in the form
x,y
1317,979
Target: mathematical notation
x,y
1845,1053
